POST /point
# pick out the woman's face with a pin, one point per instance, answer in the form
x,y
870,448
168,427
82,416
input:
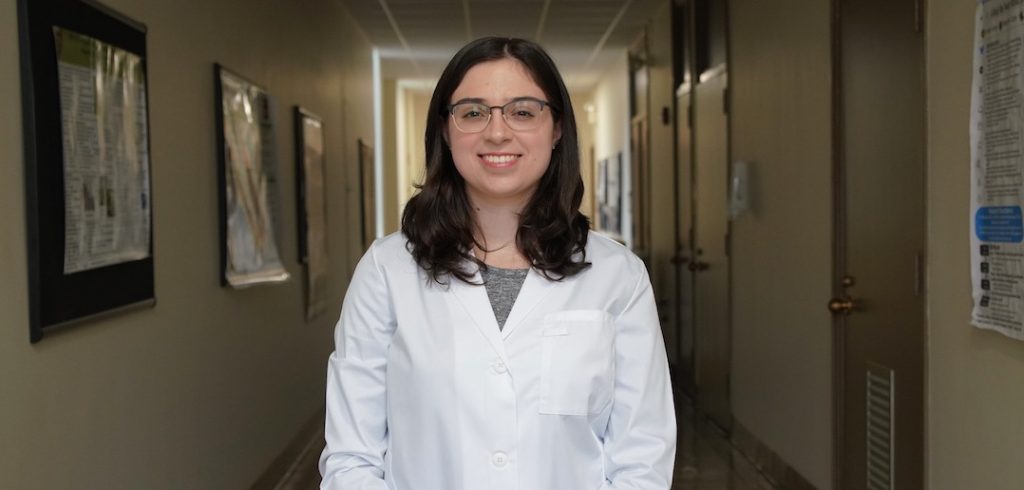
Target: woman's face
x,y
499,163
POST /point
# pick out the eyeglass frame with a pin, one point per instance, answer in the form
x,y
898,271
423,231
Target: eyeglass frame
x,y
490,111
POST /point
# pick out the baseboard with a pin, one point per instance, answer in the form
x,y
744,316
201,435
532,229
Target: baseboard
x,y
774,468
295,467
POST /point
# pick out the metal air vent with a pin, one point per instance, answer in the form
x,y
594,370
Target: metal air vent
x,y
880,428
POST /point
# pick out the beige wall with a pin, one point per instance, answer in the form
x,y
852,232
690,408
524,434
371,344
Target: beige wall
x,y
974,387
610,129
781,250
611,105
203,390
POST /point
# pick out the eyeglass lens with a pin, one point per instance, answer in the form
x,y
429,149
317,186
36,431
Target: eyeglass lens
x,y
520,115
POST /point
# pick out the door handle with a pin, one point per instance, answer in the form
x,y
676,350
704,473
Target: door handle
x,y
698,265
844,306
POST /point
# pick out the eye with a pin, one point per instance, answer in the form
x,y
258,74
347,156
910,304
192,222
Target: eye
x,y
470,111
524,110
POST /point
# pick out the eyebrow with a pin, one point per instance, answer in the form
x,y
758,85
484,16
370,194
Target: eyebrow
x,y
478,100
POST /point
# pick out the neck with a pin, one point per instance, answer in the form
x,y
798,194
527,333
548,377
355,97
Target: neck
x,y
497,224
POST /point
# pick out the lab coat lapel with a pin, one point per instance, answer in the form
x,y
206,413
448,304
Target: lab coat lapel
x,y
535,288
473,300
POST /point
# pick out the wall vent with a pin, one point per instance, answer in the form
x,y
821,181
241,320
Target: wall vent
x,y
880,428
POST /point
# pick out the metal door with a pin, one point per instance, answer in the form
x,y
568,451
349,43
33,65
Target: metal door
x,y
710,257
684,249
879,303
639,197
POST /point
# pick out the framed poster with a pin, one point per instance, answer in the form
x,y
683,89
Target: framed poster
x,y
609,192
87,168
613,195
247,174
312,208
602,194
367,194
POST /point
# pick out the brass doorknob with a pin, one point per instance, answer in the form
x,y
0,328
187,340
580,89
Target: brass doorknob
x,y
842,305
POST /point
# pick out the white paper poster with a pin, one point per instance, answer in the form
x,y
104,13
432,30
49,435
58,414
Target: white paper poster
x,y
106,153
997,168
250,163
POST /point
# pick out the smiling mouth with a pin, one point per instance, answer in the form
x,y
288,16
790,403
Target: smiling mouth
x,y
500,160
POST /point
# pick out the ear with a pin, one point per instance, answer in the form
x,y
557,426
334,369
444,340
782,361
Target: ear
x,y
556,135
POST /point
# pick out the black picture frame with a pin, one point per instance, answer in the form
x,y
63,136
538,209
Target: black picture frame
x,y
300,115
57,299
311,191
268,268
367,194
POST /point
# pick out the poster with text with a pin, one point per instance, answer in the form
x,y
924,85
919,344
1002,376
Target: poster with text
x,y
249,166
106,153
997,168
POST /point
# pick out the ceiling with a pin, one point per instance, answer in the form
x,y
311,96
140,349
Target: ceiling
x,y
416,38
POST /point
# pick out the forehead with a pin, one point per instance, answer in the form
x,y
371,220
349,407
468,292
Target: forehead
x,y
498,81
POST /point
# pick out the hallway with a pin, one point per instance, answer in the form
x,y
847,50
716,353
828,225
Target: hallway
x,y
726,142
705,460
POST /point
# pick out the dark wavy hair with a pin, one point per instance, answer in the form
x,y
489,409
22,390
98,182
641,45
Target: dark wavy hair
x,y
438,221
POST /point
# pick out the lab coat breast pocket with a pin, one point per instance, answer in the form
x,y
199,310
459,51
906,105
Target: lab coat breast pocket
x,y
577,362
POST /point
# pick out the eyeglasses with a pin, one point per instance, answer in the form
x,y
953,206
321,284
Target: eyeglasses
x,y
523,114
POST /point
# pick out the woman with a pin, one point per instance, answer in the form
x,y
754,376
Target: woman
x,y
496,343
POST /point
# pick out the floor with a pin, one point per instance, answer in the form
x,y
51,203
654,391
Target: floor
x,y
704,461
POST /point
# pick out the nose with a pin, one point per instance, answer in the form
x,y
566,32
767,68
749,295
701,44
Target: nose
x,y
496,131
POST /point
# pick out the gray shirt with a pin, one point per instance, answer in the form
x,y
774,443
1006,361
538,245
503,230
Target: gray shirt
x,y
503,287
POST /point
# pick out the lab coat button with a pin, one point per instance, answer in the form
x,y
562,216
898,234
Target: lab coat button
x,y
499,367
499,459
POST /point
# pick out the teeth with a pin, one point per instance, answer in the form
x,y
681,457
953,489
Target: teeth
x,y
498,159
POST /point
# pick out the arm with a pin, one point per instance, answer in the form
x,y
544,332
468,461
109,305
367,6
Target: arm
x,y
640,441
356,424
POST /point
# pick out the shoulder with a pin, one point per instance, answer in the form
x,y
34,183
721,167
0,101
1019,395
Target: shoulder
x,y
615,271
390,245
608,255
389,251
385,263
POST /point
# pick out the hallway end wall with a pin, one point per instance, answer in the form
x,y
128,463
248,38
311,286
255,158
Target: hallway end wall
x,y
780,120
412,107
206,388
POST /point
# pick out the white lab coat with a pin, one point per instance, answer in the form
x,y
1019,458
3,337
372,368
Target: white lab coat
x,y
424,392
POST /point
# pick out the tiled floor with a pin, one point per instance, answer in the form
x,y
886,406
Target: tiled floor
x,y
704,461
